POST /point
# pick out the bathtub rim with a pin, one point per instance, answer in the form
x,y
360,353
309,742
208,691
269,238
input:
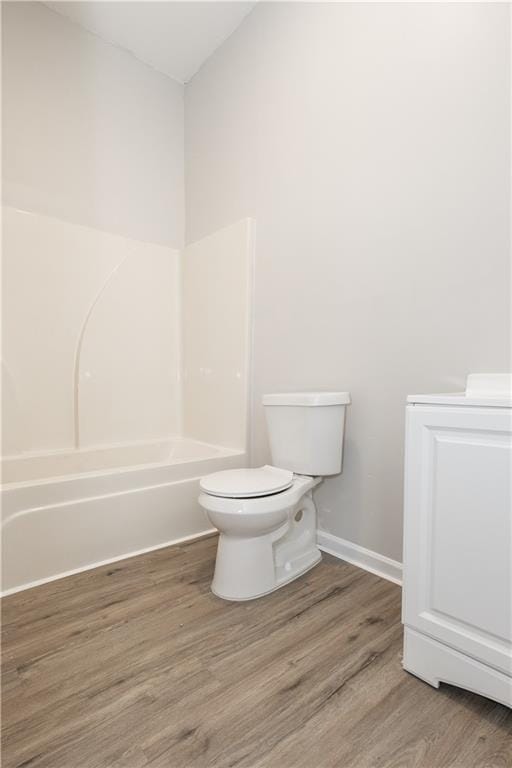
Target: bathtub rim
x,y
220,453
75,496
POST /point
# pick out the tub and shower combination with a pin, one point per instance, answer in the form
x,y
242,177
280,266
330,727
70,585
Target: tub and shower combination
x,y
84,482
67,511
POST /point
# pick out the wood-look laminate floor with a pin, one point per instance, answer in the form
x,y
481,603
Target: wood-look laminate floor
x,y
137,664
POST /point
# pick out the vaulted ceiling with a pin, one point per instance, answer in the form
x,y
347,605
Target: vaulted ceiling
x,y
173,37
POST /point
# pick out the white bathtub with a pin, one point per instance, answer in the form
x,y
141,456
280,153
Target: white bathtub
x,y
64,512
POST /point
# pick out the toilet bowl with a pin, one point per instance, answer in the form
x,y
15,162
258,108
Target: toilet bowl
x,y
266,517
265,540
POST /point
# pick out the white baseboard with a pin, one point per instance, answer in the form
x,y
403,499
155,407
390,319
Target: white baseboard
x,y
333,545
91,566
364,558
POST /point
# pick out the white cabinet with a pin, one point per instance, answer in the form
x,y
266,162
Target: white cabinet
x,y
457,600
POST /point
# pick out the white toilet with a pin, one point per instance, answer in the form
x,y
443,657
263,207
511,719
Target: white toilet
x,y
266,517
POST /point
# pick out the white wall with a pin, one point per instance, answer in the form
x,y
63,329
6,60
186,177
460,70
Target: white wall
x,y
90,134
371,144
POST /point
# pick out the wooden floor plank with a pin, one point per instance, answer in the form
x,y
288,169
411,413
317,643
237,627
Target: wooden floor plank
x,y
138,665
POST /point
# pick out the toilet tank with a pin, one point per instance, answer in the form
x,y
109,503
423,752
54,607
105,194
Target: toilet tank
x,y
305,431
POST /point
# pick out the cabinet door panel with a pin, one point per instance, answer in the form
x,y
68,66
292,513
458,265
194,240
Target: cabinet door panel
x,y
457,554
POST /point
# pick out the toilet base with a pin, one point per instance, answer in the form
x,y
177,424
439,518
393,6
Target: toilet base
x,y
264,542
307,565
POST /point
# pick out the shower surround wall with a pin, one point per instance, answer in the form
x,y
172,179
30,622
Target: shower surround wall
x,y
110,341
90,338
216,323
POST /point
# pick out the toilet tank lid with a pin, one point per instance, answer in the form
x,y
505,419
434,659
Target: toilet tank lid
x,y
307,398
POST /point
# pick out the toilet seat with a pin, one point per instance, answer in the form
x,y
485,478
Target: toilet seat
x,y
247,483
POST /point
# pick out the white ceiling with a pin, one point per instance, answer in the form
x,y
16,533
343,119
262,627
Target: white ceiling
x,y
173,37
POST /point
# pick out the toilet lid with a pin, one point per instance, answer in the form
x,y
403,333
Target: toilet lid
x,y
245,483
